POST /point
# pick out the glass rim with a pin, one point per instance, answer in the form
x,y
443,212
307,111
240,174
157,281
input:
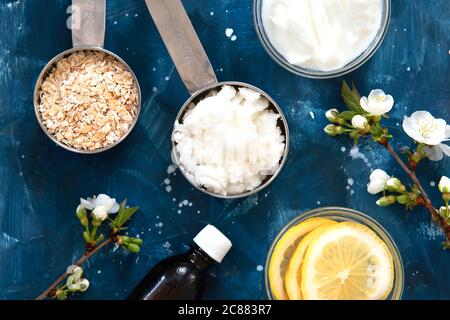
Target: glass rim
x,y
351,215
316,74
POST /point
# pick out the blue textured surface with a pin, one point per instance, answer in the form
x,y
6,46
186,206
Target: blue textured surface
x,y
40,183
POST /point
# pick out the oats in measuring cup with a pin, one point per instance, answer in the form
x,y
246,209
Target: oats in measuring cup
x,y
89,100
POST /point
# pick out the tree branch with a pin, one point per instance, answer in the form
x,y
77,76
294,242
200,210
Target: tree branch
x,y
433,212
79,262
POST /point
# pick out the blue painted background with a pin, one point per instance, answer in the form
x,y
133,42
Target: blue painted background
x,y
40,183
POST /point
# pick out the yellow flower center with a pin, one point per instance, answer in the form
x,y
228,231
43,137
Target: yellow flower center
x,y
426,126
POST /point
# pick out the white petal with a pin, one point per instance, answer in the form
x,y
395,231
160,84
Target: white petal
x,y
364,102
418,115
445,149
447,132
388,103
86,204
104,200
100,213
410,129
116,207
376,95
376,186
379,174
434,153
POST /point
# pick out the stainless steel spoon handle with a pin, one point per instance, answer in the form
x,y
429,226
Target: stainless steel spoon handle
x,y
183,43
88,23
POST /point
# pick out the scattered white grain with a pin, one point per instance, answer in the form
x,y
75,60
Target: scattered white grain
x,y
171,169
260,268
432,184
167,181
350,181
311,114
211,13
229,32
233,38
168,188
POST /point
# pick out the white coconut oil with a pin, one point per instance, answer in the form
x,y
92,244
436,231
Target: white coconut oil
x,y
321,35
229,142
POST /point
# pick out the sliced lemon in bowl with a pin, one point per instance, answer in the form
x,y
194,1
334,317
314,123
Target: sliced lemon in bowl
x,y
283,251
292,278
347,261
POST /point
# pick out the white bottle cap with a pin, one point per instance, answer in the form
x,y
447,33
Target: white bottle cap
x,y
213,242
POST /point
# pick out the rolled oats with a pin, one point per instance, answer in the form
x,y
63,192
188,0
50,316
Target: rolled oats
x,y
89,100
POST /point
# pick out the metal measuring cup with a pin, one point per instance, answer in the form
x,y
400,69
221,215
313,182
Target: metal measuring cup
x,y
89,36
198,76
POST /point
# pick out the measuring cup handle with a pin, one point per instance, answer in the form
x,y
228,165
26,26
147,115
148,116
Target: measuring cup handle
x,y
182,42
88,23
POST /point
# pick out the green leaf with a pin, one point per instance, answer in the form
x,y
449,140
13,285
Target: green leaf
x,y
356,92
351,98
347,115
124,215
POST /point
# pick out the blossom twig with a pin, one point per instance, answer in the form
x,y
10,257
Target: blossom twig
x,y
47,292
428,204
100,207
363,119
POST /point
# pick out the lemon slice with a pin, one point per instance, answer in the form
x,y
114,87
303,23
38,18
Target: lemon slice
x,y
283,251
347,261
292,279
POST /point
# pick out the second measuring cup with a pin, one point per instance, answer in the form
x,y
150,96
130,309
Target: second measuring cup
x,y
198,76
87,99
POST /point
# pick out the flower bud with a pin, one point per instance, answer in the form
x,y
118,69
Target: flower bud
x,y
395,185
444,212
403,199
86,236
137,241
100,213
61,294
332,115
333,130
82,215
73,269
444,187
359,122
83,284
386,201
133,247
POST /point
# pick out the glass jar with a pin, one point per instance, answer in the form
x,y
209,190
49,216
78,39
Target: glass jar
x,y
316,74
344,214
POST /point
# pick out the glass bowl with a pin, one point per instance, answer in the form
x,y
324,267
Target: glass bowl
x,y
315,74
345,214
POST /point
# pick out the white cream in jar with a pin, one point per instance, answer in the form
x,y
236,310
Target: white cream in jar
x,y
321,35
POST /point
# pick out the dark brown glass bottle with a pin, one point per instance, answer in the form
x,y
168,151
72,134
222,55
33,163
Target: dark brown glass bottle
x,y
182,277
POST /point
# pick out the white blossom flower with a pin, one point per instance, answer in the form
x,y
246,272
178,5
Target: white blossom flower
x,y
101,200
378,103
425,128
359,122
100,213
444,185
378,181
